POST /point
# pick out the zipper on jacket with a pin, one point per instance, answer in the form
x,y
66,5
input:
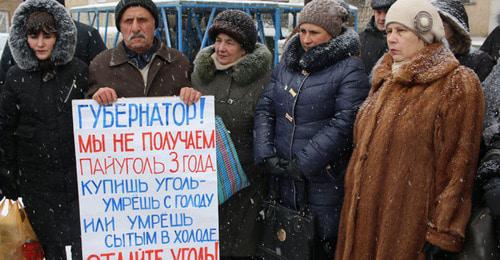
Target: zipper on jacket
x,y
306,75
73,85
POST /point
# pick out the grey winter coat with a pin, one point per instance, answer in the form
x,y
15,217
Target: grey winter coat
x,y
236,92
373,45
307,112
36,132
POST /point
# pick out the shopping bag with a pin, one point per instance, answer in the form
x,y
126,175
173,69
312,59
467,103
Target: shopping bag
x,y
15,231
231,177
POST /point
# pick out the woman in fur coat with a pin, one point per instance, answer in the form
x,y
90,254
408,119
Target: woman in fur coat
x,y
409,181
36,130
235,70
304,118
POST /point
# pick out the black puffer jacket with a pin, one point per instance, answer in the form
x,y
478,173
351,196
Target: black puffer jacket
x,y
492,44
89,44
373,45
306,113
453,12
36,133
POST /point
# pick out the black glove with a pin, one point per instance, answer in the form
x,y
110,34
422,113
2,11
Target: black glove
x,y
433,252
492,195
275,165
488,169
293,170
8,187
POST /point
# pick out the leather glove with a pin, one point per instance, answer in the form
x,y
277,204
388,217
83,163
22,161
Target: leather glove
x,y
293,170
433,252
275,165
492,195
8,187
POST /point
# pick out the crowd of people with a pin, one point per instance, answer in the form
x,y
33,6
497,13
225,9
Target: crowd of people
x,y
391,138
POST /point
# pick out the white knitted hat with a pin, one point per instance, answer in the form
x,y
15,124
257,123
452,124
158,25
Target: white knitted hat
x,y
419,16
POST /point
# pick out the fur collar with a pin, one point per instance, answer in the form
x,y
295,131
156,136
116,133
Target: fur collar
x,y
323,55
431,64
64,48
250,68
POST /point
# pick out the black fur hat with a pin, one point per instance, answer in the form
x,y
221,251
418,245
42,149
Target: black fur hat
x,y
382,4
238,25
124,4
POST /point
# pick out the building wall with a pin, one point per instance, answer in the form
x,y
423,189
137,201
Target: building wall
x,y
476,12
9,6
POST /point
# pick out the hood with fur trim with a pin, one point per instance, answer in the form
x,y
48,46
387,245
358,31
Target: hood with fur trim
x,y
453,12
250,68
64,48
322,55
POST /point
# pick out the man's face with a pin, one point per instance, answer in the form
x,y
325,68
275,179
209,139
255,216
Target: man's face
x,y
137,27
380,18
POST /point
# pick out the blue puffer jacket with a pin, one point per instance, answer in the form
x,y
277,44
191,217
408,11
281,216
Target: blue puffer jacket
x,y
307,112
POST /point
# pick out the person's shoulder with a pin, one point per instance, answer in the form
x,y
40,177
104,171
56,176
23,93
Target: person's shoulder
x,y
172,55
103,57
14,70
350,63
81,27
464,79
78,64
15,75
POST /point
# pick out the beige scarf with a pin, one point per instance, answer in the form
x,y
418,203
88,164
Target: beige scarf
x,y
219,66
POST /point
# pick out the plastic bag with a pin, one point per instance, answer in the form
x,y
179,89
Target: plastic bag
x,y
15,229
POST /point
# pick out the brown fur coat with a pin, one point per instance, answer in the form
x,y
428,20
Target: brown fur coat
x,y
410,176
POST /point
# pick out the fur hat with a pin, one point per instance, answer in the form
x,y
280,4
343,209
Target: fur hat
x,y
238,25
327,14
124,4
419,16
381,4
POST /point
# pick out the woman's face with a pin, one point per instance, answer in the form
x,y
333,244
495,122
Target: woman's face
x,y
42,44
312,35
448,30
402,42
227,49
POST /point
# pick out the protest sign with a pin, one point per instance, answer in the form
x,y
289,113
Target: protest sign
x,y
147,180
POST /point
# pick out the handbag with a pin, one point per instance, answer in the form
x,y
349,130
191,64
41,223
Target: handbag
x,y
231,177
287,234
16,233
480,239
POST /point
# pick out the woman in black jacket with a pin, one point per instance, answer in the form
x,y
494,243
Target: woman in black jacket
x,y
36,132
456,27
304,117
